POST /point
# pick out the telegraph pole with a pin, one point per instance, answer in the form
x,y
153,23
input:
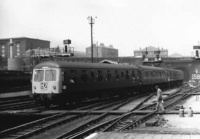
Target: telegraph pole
x,y
91,22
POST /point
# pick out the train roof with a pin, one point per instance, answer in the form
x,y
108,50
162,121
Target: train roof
x,y
65,64
150,67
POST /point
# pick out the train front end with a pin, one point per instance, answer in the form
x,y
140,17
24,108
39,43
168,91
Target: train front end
x,y
46,84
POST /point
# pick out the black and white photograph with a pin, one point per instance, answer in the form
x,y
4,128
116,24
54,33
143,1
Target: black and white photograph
x,y
99,69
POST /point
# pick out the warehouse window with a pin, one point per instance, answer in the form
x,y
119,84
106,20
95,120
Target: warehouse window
x,y
18,49
3,50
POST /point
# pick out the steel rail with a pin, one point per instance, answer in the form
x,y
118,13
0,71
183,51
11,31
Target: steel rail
x,y
101,126
82,127
23,131
87,132
142,119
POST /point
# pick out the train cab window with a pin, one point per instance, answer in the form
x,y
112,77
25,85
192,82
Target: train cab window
x,y
100,75
127,75
73,76
38,75
116,75
50,75
108,75
84,75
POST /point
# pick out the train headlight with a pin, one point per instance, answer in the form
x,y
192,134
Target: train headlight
x,y
54,87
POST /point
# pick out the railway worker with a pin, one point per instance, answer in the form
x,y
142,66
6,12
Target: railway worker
x,y
159,99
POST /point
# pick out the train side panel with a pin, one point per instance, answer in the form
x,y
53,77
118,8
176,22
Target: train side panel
x,y
68,81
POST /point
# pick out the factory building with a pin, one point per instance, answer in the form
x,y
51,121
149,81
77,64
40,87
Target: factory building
x,y
102,51
16,47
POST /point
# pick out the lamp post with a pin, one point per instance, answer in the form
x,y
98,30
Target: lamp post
x,y
91,21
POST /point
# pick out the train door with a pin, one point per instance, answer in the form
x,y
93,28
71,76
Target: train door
x,y
70,80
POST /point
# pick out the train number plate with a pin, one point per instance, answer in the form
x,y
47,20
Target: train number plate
x,y
44,85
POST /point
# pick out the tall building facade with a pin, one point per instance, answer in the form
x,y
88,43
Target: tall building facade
x,y
16,47
102,51
151,52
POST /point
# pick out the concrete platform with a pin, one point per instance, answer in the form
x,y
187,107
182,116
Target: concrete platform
x,y
112,135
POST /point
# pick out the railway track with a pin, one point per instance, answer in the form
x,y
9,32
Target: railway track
x,y
18,103
47,123
127,121
85,121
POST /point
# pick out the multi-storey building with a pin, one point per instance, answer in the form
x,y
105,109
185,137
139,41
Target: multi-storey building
x,y
102,51
16,47
151,52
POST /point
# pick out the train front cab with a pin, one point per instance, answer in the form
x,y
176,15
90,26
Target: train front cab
x,y
46,84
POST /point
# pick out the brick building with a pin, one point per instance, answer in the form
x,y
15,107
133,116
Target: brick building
x,y
20,45
152,52
102,51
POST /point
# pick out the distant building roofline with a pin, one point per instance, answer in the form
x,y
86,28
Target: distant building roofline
x,y
103,47
15,38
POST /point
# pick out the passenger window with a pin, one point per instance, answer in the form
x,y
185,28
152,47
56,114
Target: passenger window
x,y
73,76
122,74
133,75
108,75
92,74
146,75
117,75
139,75
84,75
127,75
100,75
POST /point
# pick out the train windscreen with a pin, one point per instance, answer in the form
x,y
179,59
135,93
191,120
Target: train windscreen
x,y
38,75
50,75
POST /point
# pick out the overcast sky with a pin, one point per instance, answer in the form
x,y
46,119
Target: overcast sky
x,y
126,24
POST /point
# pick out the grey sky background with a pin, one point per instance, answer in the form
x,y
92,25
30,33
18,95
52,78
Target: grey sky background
x,y
126,24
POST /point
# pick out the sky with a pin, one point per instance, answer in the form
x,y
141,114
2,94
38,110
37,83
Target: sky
x,y
128,25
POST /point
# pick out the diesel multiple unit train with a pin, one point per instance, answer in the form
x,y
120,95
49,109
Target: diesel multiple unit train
x,y
61,82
